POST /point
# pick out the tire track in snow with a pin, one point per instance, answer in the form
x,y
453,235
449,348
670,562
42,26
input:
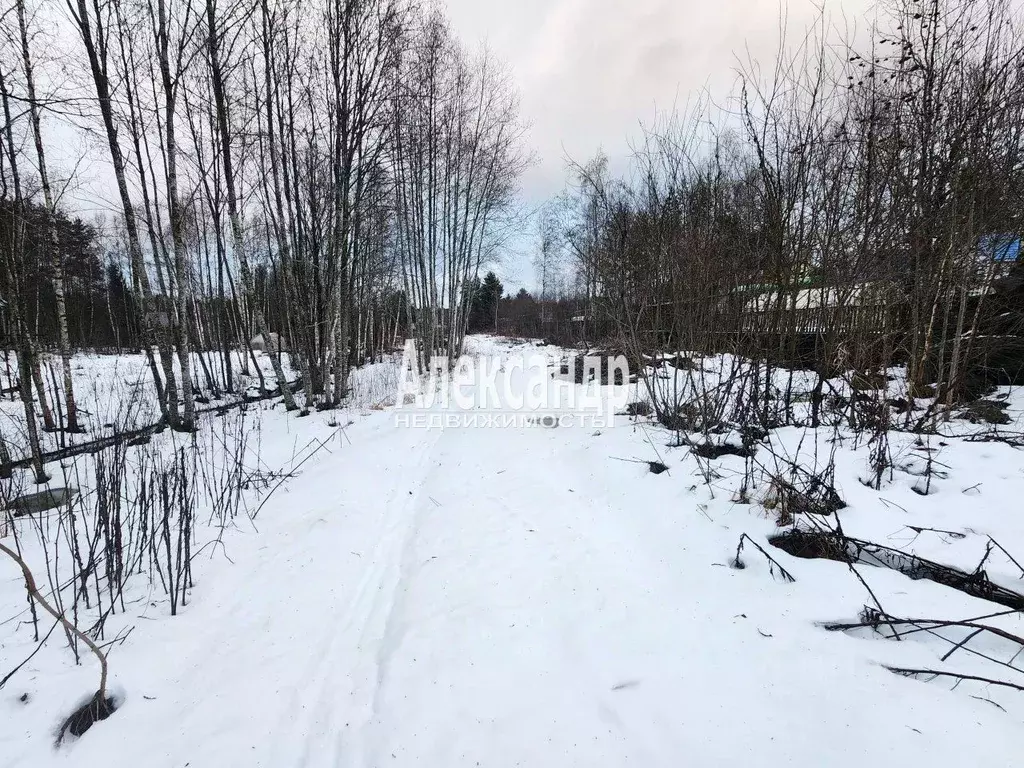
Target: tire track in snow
x,y
391,636
326,685
383,589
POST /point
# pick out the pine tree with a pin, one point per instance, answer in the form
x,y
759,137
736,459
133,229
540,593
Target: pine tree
x,y
483,314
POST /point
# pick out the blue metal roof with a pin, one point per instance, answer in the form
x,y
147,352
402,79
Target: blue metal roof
x,y
1001,247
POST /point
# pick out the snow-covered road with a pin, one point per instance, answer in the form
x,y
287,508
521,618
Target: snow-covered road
x,y
518,597
509,598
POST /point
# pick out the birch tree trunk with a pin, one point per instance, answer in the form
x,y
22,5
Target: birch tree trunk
x,y
183,279
14,272
56,256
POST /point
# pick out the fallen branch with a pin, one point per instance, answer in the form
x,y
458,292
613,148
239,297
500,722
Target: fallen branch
x,y
98,444
295,469
833,545
874,619
958,675
773,563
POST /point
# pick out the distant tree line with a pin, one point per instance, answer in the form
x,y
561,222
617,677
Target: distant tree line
x,y
101,309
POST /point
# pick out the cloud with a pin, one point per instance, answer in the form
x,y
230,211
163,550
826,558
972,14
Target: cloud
x,y
590,71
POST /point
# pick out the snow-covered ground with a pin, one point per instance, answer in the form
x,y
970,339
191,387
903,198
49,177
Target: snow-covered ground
x,y
530,596
115,393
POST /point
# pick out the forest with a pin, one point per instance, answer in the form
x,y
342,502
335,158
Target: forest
x,y
333,172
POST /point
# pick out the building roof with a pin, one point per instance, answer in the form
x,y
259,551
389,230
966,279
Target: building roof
x,y
856,294
1001,247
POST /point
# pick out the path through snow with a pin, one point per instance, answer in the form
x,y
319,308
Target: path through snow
x,y
517,597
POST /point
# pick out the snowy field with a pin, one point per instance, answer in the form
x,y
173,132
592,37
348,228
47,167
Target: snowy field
x,y
529,596
115,393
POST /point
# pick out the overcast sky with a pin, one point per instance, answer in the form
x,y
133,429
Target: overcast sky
x,y
589,71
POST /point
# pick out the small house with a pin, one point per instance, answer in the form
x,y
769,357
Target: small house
x,y
259,345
